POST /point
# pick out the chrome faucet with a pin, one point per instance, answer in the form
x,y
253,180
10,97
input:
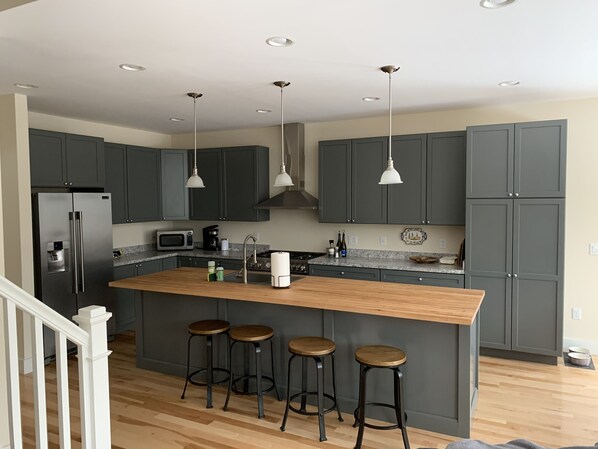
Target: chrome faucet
x,y
244,269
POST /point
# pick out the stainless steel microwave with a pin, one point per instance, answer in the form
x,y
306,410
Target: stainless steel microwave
x,y
177,239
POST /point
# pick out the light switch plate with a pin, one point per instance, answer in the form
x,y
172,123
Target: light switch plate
x,y
353,240
383,240
442,244
594,249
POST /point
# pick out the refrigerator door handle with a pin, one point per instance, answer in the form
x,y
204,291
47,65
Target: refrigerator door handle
x,y
74,254
79,220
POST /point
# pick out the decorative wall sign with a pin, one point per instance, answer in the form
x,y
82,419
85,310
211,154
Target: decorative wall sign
x,y
413,236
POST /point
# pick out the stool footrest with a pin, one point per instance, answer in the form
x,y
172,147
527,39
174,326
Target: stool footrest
x,y
214,382
373,426
251,392
312,393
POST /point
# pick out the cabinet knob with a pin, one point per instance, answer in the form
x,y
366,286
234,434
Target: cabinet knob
x,y
420,279
515,275
353,221
516,194
510,195
428,222
508,275
423,221
348,221
66,183
343,273
70,183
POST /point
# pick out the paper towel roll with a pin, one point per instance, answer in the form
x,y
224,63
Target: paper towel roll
x,y
280,269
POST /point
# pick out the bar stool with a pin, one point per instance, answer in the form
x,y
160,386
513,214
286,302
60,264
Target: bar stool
x,y
316,348
205,328
380,356
256,335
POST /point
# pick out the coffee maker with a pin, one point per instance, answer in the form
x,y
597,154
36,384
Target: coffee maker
x,y
210,238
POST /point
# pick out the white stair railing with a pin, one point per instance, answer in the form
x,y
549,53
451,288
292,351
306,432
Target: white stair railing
x,y
90,338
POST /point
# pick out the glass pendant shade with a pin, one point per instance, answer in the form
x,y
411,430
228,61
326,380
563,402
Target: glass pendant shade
x,y
283,179
194,181
390,175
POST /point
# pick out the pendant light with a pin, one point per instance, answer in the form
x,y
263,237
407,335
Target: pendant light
x,y
390,175
283,179
194,181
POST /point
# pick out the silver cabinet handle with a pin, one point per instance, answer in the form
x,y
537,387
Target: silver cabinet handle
x,y
420,279
515,275
73,261
348,220
510,194
516,194
79,218
70,183
343,273
428,222
353,220
423,221
508,275
66,183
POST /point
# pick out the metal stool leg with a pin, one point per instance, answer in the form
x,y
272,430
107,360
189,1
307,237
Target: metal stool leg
x,y
399,407
209,371
361,413
230,379
258,380
278,396
303,383
338,410
320,382
188,363
286,409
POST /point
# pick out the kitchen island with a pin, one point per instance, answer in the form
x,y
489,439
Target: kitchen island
x,y
436,326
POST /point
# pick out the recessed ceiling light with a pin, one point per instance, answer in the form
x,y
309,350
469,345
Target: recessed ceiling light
x,y
132,67
176,119
508,83
279,41
26,86
493,4
370,98
263,111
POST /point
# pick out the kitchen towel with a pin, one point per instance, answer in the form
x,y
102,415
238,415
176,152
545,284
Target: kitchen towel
x,y
281,269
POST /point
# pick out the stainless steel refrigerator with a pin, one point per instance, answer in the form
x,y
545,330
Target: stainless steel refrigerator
x,y
73,254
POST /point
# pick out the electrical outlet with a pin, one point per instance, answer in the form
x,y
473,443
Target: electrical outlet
x,y
256,235
383,241
442,244
594,249
576,313
353,241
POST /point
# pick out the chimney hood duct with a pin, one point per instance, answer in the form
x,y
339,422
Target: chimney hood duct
x,y
294,197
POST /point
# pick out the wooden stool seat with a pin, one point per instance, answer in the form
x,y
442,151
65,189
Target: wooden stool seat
x,y
380,356
251,333
208,327
311,346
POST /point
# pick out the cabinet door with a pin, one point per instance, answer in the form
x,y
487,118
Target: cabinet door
x,y
245,183
85,161
47,155
175,198
488,266
538,246
364,274
149,267
125,300
116,180
445,185
421,278
407,201
490,161
143,184
170,263
539,166
334,181
206,203
184,261
368,198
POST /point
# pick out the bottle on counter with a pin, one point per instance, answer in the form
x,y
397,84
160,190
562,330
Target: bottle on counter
x,y
343,247
338,240
219,272
211,270
331,248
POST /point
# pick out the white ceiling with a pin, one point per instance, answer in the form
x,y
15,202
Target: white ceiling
x,y
452,53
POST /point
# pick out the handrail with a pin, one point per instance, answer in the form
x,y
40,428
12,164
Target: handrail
x,y
49,317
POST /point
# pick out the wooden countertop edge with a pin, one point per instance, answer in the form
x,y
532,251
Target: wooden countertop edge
x,y
423,303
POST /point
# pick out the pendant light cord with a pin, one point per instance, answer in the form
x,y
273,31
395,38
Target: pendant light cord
x,y
390,116
281,128
195,134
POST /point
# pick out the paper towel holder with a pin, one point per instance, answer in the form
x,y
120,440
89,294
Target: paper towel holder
x,y
278,278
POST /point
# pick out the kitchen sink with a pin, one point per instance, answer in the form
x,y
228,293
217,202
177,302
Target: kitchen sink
x,y
253,278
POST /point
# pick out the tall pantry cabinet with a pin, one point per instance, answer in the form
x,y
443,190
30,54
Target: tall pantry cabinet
x,y
515,211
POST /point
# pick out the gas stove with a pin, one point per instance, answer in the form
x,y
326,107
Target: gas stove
x,y
299,261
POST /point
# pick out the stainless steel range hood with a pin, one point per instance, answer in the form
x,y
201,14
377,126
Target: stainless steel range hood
x,y
294,197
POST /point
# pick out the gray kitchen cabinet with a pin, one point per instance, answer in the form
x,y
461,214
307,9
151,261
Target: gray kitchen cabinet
x,y
116,181
174,174
514,252
143,184
349,172
364,274
66,160
423,278
170,263
125,299
525,160
432,167
236,179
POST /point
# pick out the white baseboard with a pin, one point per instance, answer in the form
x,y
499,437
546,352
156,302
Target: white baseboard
x,y
25,366
592,345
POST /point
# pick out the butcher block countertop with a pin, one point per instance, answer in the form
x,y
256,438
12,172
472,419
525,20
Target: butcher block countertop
x,y
415,302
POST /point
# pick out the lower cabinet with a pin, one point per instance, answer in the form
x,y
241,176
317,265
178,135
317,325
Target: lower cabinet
x,y
202,262
423,278
363,274
125,299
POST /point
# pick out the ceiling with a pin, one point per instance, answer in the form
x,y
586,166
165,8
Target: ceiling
x,y
452,54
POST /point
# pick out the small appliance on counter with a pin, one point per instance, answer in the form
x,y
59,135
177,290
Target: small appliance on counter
x,y
298,261
224,245
280,269
210,238
176,239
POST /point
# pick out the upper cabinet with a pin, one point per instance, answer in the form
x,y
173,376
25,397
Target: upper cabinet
x,y
116,181
66,160
525,160
175,204
349,172
236,180
432,167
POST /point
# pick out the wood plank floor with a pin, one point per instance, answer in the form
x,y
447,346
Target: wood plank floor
x,y
553,406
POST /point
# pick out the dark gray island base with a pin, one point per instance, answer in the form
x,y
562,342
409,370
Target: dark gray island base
x,y
441,373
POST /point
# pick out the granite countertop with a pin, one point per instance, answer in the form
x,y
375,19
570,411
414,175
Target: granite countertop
x,y
144,256
386,263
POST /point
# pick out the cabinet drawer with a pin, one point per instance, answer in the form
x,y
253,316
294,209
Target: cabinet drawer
x,y
364,274
421,278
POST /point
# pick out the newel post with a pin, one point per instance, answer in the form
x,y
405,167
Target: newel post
x,y
93,379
